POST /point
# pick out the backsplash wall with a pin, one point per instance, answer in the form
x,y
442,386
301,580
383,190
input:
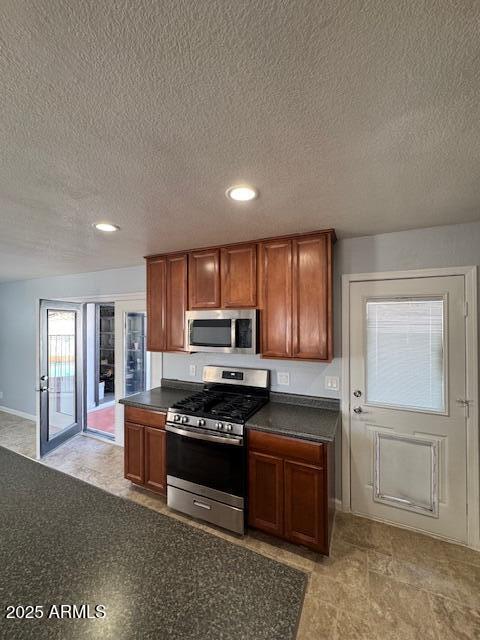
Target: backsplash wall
x,y
306,378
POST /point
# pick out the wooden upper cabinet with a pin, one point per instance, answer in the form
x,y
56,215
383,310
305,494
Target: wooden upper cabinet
x,y
204,279
166,302
312,297
276,298
156,303
290,282
239,276
176,302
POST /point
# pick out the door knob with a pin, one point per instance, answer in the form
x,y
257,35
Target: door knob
x,y
357,409
357,393
44,378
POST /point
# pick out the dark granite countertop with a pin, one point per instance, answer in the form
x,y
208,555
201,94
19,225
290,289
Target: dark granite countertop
x,y
305,417
315,423
160,398
156,577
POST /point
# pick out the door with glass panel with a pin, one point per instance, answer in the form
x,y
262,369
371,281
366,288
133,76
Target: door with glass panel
x,y
133,368
135,362
408,406
61,373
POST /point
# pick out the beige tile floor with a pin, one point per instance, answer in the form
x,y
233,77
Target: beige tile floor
x,y
380,582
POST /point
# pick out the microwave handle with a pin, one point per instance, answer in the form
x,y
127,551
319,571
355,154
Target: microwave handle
x,y
234,333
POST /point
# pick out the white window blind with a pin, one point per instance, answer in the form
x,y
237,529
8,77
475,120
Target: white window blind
x,y
405,359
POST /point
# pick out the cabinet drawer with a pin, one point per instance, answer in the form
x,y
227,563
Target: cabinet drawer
x,y
290,448
145,416
222,515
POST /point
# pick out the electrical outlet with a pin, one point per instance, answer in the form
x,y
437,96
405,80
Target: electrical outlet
x,y
332,383
193,370
283,377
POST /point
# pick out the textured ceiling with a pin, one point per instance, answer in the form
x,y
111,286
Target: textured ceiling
x,y
363,116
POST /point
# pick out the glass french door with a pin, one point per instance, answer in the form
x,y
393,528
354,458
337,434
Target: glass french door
x,y
133,362
61,373
135,365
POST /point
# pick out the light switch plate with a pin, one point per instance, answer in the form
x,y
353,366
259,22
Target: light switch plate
x,y
193,370
283,377
1,395
332,383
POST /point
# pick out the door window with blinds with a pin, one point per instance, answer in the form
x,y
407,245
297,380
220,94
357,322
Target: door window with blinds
x,y
405,349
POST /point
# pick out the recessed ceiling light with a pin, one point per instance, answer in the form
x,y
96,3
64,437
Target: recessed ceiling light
x,y
106,226
242,193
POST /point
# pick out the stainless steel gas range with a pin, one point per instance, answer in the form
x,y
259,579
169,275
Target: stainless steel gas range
x,y
206,452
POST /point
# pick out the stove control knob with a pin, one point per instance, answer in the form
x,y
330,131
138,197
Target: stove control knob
x,y
219,425
176,418
201,422
228,427
184,419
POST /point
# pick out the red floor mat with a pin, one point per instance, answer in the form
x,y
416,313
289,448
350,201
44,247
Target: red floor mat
x,y
103,419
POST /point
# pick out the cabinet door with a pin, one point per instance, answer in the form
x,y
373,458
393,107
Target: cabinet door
x,y
312,297
156,298
276,294
265,493
155,460
134,453
204,279
176,302
239,276
304,505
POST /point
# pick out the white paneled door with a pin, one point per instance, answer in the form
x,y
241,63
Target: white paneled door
x,y
408,416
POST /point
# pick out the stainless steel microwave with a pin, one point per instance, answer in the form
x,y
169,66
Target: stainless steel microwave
x,y
222,330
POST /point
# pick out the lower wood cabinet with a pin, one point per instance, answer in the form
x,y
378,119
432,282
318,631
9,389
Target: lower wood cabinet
x,y
155,459
304,504
291,492
290,481
145,449
265,474
134,453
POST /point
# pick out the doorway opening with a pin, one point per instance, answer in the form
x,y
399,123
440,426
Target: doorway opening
x,y
91,354
100,368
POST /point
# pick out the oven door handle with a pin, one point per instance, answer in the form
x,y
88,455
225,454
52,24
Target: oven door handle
x,y
238,442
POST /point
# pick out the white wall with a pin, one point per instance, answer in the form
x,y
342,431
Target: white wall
x,y
305,377
435,247
18,305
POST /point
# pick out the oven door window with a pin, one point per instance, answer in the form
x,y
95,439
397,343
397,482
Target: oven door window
x,y
211,333
213,465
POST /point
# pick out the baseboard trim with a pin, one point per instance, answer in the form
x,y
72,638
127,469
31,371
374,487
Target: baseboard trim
x,y
20,414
